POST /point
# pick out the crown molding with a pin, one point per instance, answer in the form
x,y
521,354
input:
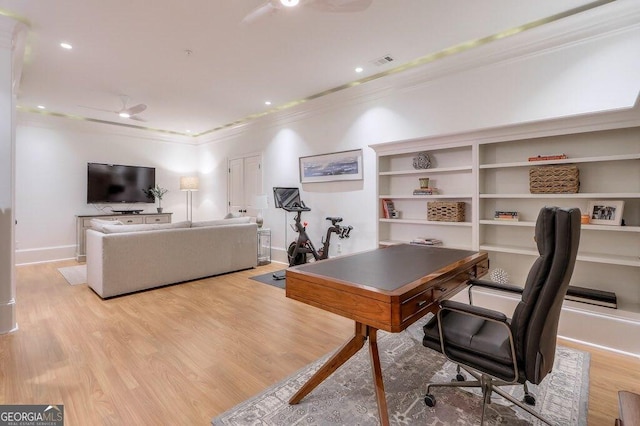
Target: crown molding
x,y
55,121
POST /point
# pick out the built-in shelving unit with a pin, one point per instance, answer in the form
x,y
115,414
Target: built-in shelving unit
x,y
452,174
491,174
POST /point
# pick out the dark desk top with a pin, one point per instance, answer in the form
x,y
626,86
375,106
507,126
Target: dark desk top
x,y
387,268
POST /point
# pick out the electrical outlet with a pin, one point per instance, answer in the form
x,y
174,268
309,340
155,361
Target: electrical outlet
x,y
339,248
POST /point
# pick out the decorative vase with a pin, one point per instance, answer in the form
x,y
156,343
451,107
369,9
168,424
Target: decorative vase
x,y
159,209
421,161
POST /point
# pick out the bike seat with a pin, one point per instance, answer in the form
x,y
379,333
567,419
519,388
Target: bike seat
x,y
335,219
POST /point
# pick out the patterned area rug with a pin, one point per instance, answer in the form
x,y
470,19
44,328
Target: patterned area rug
x,y
347,397
74,275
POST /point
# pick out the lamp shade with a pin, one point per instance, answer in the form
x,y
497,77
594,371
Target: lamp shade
x,y
189,183
260,202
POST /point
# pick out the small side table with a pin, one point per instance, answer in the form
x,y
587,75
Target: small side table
x,y
264,246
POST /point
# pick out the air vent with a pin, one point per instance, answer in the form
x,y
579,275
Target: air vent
x,y
382,60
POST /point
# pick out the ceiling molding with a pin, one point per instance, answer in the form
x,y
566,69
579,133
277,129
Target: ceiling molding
x,y
53,121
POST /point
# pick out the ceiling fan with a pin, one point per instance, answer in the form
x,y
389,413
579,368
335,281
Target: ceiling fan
x,y
130,112
336,6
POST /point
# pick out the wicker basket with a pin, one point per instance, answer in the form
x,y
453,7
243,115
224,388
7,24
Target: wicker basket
x,y
554,180
445,211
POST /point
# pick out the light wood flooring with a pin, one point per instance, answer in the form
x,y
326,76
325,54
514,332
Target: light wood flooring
x,y
182,354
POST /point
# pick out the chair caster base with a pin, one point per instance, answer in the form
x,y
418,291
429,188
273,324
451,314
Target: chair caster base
x,y
429,400
529,399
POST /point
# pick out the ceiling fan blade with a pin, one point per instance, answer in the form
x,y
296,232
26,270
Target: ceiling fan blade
x,y
260,12
340,6
136,109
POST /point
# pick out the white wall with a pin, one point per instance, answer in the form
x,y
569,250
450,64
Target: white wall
x,y
574,78
51,178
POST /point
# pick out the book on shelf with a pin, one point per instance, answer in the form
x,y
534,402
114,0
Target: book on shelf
x,y
387,208
425,191
547,157
426,242
506,215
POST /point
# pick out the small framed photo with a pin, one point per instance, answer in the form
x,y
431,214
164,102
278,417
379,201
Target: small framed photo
x,y
607,212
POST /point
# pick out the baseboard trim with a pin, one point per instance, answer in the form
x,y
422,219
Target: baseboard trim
x,y
44,255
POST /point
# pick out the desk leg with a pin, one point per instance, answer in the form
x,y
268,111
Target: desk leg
x,y
340,357
377,377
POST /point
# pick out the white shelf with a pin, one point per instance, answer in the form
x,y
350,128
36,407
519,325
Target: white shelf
x,y
584,227
598,195
584,257
623,157
423,171
424,197
425,222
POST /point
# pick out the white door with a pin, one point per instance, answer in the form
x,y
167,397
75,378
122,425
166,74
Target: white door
x,y
245,182
236,186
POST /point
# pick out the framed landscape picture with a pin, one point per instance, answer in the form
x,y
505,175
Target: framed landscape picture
x,y
608,212
344,165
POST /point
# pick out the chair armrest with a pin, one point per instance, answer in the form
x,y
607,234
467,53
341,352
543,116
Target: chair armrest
x,y
479,311
496,286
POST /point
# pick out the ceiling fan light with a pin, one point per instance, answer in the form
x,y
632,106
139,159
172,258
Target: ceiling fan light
x,y
289,3
124,115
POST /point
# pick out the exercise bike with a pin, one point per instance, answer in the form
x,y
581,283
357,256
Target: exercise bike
x,y
299,250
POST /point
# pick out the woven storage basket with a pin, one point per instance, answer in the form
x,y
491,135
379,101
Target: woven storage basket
x,y
554,180
445,211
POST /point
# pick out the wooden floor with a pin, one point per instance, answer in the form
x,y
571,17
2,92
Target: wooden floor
x,y
185,353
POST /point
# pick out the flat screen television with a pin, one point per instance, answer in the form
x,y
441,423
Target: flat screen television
x,y
116,183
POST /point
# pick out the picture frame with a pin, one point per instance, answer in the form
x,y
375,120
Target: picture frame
x,y
606,212
335,166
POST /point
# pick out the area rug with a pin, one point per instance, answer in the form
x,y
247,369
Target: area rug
x,y
268,279
74,275
347,397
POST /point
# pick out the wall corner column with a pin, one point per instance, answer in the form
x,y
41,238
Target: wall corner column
x,y
12,36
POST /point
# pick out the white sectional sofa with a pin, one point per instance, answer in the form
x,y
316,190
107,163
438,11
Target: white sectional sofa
x,y
127,258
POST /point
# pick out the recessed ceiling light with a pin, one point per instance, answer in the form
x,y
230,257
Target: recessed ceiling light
x,y
66,46
289,3
124,115
359,69
267,102
41,107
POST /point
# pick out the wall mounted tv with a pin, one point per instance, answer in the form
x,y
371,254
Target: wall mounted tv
x,y
115,183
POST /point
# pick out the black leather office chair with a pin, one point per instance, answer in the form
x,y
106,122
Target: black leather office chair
x,y
499,351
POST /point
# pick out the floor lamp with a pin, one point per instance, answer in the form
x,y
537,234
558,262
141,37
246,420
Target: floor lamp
x,y
189,184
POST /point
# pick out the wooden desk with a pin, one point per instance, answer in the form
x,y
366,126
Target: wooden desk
x,y
383,289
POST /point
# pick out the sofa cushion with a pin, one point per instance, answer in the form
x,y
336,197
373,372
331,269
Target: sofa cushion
x,y
99,224
115,229
231,221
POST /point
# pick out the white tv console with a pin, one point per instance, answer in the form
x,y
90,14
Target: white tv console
x,y
83,222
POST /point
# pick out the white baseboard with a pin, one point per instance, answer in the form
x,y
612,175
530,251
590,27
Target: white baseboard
x,y
45,254
606,328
